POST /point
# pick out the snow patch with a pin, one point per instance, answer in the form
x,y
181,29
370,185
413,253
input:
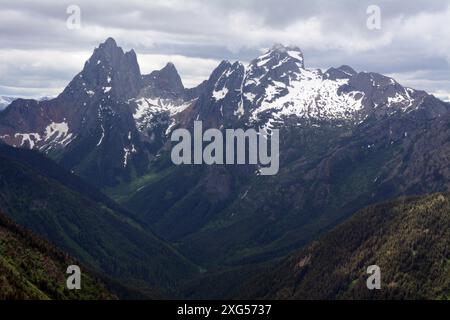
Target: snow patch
x,y
295,54
127,154
220,94
148,108
102,136
56,131
308,95
31,138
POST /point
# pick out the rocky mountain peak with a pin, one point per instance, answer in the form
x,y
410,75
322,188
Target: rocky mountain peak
x,y
109,71
280,56
343,72
281,48
109,42
164,82
108,53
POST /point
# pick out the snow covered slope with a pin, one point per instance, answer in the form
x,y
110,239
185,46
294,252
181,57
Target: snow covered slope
x,y
276,87
5,101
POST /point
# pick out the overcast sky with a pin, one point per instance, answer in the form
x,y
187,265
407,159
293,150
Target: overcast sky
x,y
39,55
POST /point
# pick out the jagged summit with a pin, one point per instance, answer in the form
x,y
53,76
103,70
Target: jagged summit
x,y
110,42
279,55
343,72
108,51
108,45
170,65
109,70
347,69
284,48
166,81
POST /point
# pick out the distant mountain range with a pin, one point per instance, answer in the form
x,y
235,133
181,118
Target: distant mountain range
x,y
7,100
348,140
111,121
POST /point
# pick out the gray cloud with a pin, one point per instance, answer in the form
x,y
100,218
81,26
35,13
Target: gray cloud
x,y
39,55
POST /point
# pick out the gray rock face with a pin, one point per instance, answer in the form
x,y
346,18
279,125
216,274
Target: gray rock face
x,y
164,83
108,70
90,119
343,72
221,96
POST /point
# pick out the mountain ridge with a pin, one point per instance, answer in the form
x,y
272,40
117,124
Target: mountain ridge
x,y
112,114
32,268
407,238
36,193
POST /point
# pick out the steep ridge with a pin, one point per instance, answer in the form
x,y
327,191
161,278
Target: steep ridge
x,y
108,123
407,238
32,268
5,101
276,88
322,184
85,127
92,229
326,174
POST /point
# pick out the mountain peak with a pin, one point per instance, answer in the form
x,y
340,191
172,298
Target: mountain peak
x,y
109,42
108,49
343,72
279,54
109,70
347,69
169,68
283,48
164,81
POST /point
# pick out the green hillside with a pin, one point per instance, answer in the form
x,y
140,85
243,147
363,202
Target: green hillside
x,y
409,239
38,194
32,268
226,216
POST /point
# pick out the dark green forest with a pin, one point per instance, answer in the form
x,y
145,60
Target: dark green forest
x,y
32,268
409,239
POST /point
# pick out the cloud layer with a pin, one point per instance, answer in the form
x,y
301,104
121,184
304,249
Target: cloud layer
x,y
39,54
